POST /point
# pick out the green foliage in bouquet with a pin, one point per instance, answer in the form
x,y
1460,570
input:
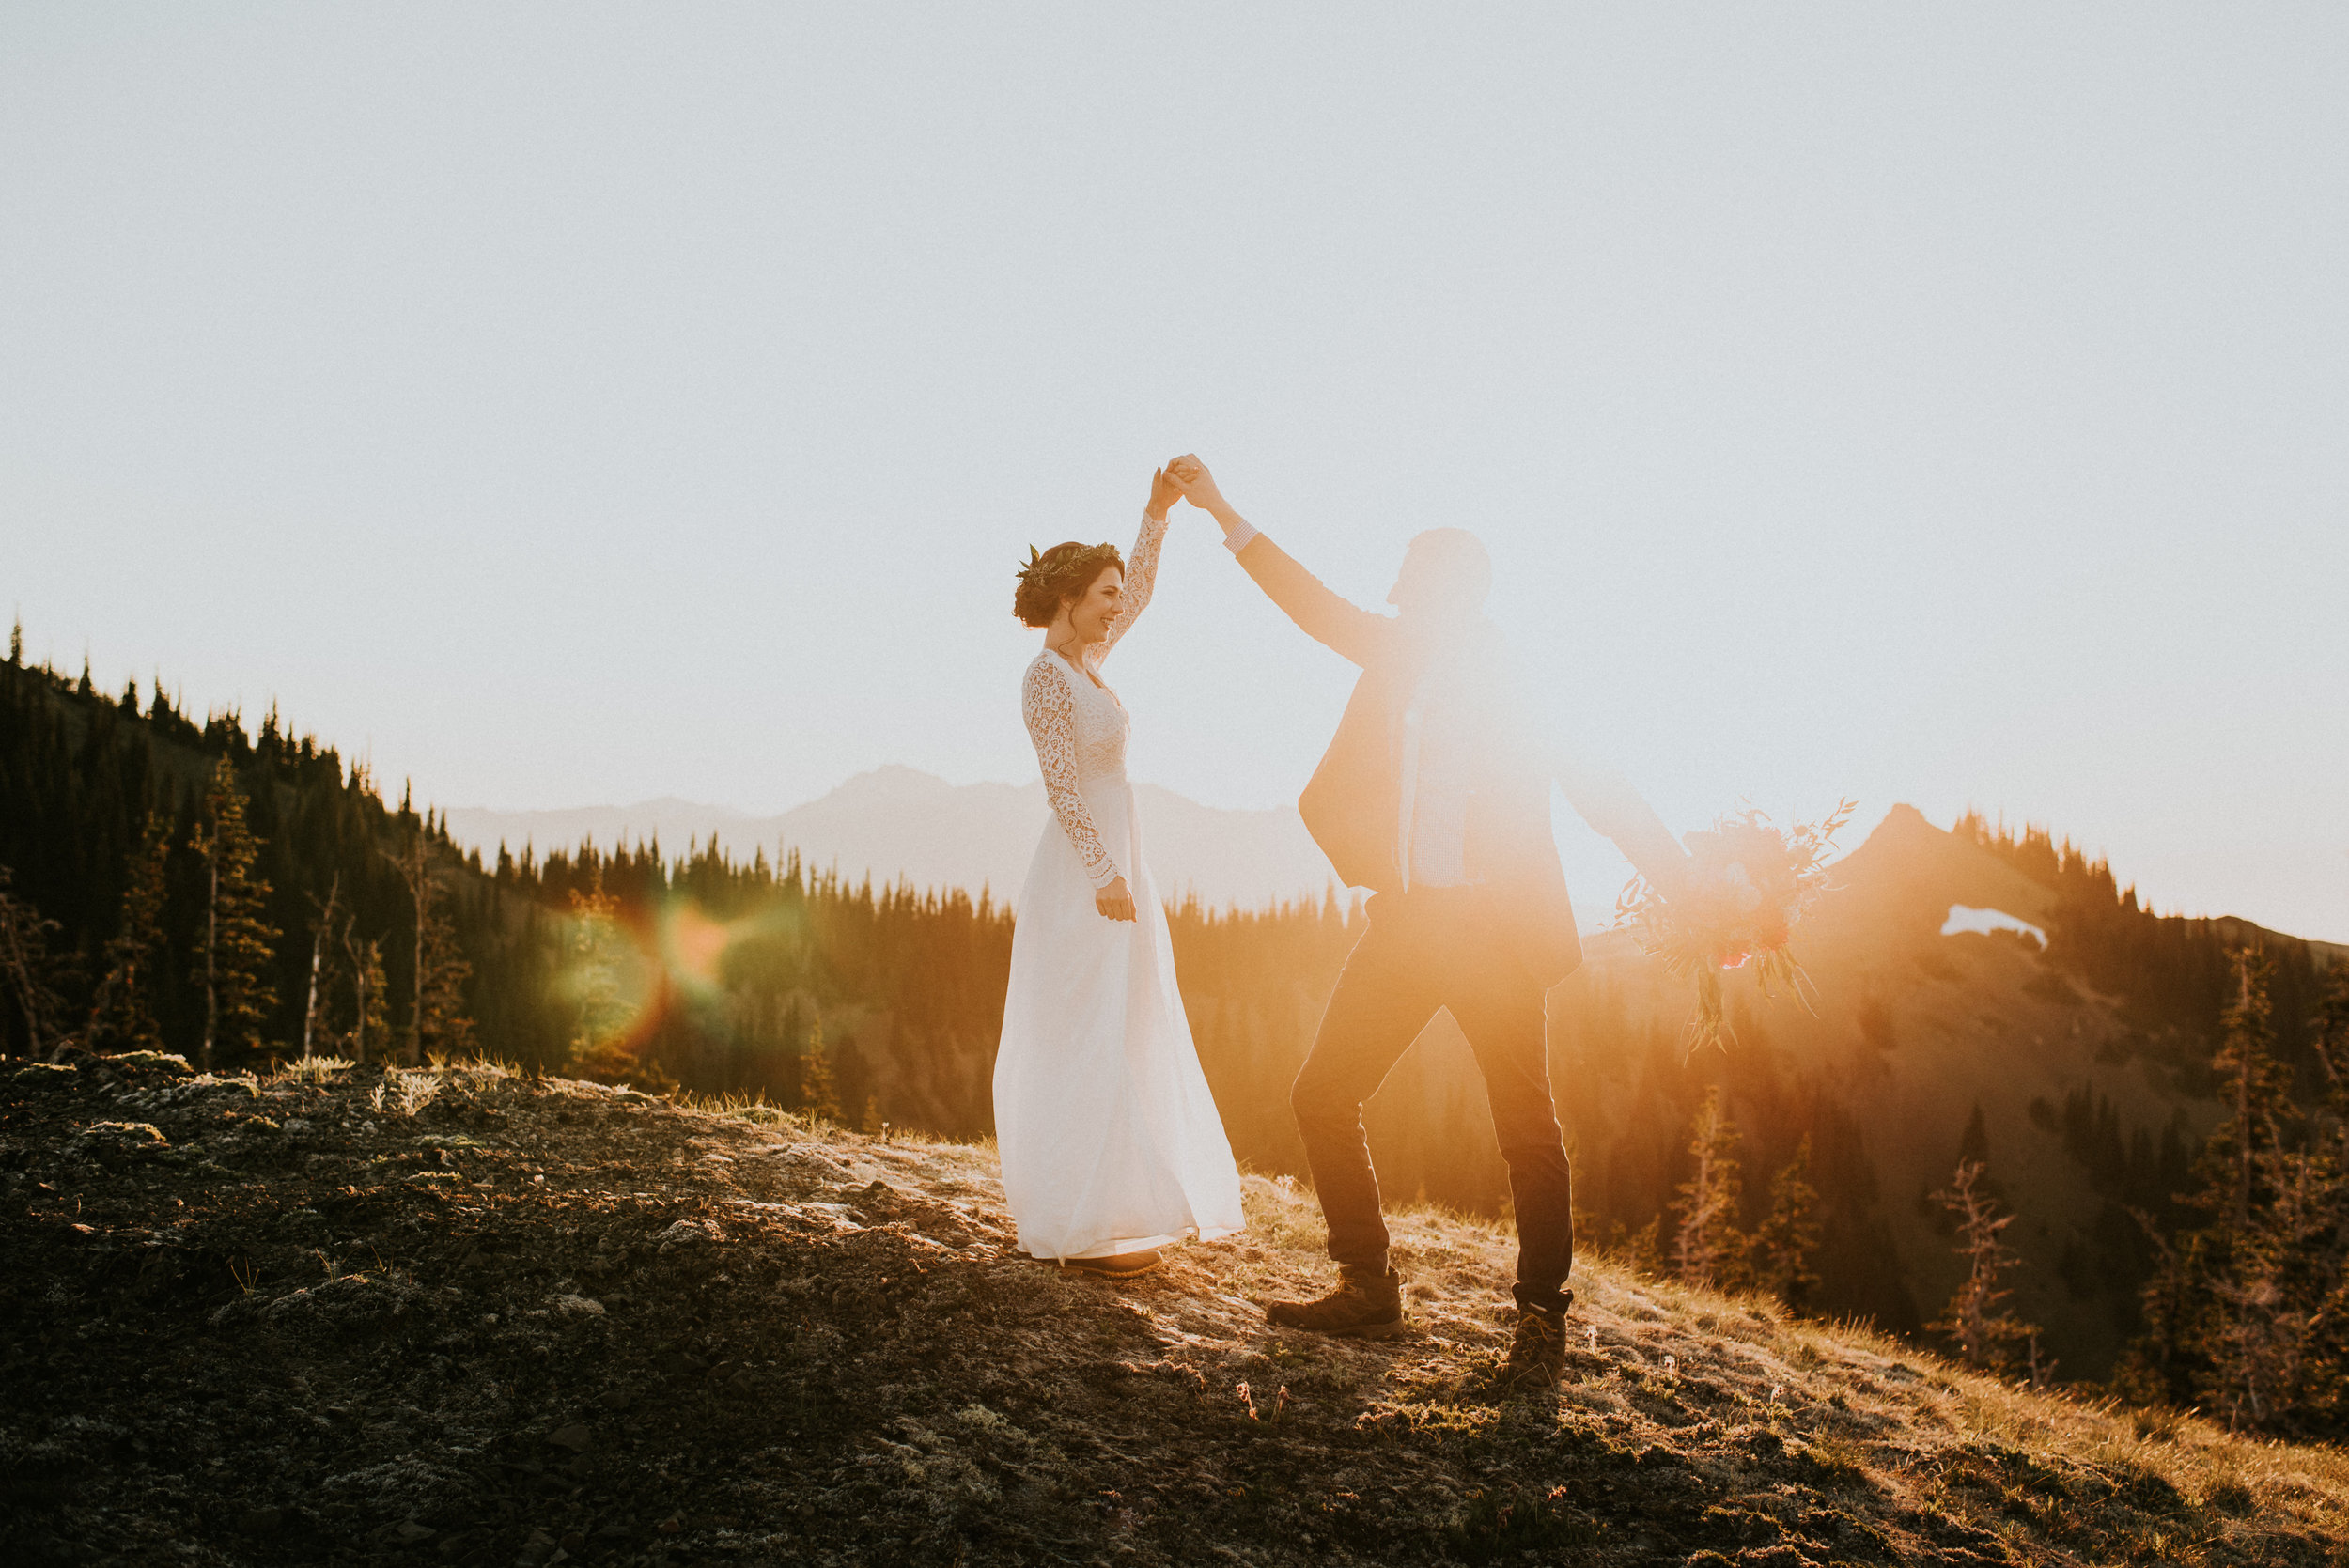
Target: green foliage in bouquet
x,y
1747,883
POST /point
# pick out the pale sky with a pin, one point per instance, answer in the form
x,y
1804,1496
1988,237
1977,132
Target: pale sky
x,y
566,405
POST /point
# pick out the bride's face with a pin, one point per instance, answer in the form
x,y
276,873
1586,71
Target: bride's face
x,y
1091,614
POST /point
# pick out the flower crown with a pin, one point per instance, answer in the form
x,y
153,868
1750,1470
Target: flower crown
x,y
1039,571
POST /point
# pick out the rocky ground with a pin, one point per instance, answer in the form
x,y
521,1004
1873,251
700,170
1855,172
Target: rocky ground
x,y
457,1316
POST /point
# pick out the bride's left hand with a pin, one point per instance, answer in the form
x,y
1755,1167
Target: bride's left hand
x,y
1196,484
1115,901
1164,492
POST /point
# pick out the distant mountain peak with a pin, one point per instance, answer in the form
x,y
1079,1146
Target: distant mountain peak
x,y
1905,818
892,777
898,823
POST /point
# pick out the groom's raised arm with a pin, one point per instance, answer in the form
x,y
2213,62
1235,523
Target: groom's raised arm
x,y
1319,611
1605,800
1322,614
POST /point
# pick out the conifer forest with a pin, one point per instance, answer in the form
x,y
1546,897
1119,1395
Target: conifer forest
x,y
242,895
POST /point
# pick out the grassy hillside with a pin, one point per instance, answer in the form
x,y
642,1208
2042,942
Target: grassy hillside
x,y
461,1316
2083,1103
2081,1075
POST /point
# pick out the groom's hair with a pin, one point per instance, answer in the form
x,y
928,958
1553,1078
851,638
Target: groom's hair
x,y
1058,575
1455,566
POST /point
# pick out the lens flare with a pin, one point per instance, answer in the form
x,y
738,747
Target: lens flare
x,y
693,946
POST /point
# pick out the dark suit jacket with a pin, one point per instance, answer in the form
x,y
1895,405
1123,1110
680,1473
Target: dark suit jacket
x,y
1352,804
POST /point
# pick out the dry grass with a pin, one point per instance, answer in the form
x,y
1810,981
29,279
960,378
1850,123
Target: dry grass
x,y
1643,1345
1874,1407
1689,1420
1658,1363
312,1069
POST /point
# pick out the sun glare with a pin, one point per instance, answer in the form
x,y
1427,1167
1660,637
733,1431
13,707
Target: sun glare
x,y
693,945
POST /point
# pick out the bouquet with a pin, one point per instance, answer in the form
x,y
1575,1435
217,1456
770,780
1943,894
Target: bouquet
x,y
1748,883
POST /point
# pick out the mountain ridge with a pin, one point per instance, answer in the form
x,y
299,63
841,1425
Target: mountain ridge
x,y
897,823
2071,1070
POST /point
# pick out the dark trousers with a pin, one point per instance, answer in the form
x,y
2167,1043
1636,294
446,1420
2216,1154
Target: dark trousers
x,y
1432,948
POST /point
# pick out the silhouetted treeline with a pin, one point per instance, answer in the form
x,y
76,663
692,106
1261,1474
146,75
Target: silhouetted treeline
x,y
617,961
2172,975
1630,1109
84,775
129,833
876,1005
2244,1310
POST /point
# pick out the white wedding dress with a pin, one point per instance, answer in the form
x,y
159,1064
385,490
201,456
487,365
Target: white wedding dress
x,y
1110,1141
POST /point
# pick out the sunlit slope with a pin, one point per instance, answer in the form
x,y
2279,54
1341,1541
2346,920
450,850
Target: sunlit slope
x,y
466,1317
1912,1031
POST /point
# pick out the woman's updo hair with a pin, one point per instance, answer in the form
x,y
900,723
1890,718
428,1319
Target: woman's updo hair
x,y
1060,574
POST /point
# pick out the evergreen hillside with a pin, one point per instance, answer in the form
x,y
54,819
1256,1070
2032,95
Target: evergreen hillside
x,y
2098,1085
2082,1075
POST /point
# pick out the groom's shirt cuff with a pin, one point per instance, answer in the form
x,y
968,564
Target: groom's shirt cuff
x,y
1237,540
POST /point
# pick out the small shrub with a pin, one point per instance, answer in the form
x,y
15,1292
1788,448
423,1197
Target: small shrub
x,y
404,1093
154,1059
1499,1524
1833,1464
2229,1497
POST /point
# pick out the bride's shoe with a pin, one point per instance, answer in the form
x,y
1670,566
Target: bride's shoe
x,y
1126,1265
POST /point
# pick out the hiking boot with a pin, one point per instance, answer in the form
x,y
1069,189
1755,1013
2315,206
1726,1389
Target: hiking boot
x,y
1537,1356
1365,1306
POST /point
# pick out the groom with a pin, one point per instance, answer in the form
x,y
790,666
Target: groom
x,y
1434,794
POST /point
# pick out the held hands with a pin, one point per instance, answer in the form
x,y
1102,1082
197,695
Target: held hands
x,y
1197,485
1115,901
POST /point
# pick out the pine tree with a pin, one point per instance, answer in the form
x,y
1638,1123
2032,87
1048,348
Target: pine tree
x,y
591,975
2327,1354
370,1006
437,1022
321,928
2331,1027
123,1016
2240,1157
1973,1144
1788,1236
2269,1204
820,1098
1975,1317
2239,1312
236,944
1643,1249
1709,1249
444,1029
417,874
31,971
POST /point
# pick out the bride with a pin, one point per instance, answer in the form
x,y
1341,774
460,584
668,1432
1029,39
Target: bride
x,y
1110,1144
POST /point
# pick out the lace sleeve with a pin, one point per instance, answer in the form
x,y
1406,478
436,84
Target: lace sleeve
x,y
1052,713
1142,575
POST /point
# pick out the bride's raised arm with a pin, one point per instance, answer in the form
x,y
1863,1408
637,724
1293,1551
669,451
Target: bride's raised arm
x,y
1142,566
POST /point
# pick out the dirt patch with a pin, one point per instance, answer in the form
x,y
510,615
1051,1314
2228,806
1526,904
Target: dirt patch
x,y
463,1317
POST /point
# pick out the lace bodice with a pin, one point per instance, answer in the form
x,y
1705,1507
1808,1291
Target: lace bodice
x,y
1078,726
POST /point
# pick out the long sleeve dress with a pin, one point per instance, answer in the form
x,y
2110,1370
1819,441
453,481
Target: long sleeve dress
x,y
1109,1139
